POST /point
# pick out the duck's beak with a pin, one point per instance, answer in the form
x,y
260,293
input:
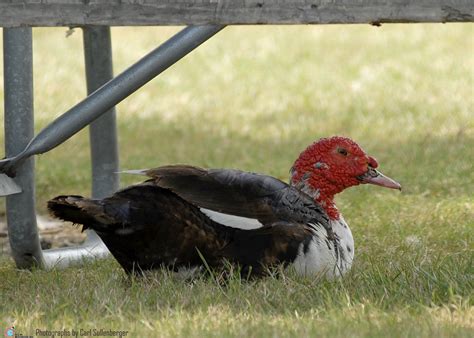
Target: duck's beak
x,y
373,176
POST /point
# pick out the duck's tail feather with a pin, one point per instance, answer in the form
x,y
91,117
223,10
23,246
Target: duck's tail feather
x,y
79,210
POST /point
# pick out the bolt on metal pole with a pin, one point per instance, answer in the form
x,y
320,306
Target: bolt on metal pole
x,y
19,130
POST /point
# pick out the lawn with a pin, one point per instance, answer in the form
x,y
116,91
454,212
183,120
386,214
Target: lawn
x,y
253,98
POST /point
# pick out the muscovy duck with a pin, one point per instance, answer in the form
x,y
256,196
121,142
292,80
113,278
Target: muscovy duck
x,y
183,214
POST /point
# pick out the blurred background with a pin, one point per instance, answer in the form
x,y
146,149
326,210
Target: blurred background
x,y
254,97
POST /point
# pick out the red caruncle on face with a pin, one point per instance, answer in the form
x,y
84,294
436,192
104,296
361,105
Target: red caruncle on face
x,y
333,164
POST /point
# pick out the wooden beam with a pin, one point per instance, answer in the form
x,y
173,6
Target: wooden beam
x,y
229,12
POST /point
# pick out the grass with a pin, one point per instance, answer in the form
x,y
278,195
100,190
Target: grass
x,y
253,98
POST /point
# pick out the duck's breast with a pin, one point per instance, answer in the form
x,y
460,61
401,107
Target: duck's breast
x,y
323,256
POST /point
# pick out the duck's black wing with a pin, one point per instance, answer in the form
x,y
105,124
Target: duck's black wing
x,y
239,193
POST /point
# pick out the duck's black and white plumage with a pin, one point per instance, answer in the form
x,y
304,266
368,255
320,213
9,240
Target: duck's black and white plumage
x,y
184,214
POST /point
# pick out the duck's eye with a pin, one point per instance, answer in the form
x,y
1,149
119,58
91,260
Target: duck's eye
x,y
342,151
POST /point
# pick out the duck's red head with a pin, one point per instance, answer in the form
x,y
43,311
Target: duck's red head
x,y
331,165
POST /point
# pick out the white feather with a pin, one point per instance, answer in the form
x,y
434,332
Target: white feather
x,y
321,259
232,220
134,172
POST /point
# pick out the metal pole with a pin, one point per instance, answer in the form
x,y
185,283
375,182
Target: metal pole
x,y
103,131
19,130
113,92
103,144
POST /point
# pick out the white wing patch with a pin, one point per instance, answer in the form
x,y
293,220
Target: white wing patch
x,y
232,220
134,172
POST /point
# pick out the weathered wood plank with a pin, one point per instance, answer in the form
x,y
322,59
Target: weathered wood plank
x,y
186,12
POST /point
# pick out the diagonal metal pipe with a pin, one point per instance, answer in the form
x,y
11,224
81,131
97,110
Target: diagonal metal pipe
x,y
112,93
